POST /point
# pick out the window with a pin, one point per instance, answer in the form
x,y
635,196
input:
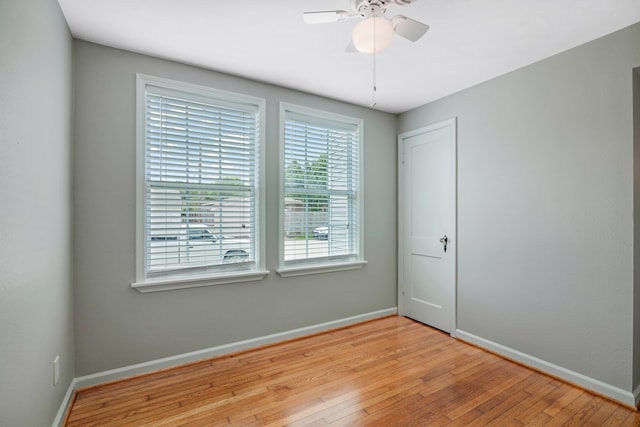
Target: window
x,y
199,193
321,198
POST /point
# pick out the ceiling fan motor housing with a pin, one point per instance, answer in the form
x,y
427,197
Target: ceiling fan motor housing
x,y
369,8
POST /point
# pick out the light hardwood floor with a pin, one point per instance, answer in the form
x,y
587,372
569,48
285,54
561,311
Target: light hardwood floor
x,y
387,372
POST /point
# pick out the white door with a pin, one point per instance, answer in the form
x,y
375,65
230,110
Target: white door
x,y
427,224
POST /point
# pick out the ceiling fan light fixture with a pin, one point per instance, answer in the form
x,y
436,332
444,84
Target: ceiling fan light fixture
x,y
363,34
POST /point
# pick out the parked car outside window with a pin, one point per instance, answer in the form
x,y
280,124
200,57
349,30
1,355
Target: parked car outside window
x,y
321,233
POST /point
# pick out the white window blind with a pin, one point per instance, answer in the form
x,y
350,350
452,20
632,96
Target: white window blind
x,y
201,176
321,188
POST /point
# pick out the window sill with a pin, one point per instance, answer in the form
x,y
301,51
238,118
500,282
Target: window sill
x,y
185,282
320,268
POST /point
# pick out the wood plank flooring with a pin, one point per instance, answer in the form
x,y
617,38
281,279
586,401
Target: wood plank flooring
x,y
387,372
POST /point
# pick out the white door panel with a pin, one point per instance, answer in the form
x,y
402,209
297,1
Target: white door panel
x,y
425,246
427,176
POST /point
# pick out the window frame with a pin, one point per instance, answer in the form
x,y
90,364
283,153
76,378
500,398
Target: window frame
x,y
181,279
323,265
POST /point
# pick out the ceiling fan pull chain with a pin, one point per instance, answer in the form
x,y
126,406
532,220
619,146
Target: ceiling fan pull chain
x,y
374,88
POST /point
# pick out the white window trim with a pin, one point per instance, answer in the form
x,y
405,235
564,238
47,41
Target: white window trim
x,y
182,281
310,267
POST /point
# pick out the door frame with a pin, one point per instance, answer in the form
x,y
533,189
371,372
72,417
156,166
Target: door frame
x,y
452,125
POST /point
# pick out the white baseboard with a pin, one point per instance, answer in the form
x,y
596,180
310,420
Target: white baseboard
x,y
636,396
57,421
597,386
154,365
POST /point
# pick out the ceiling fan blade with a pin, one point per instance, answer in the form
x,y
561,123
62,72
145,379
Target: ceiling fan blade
x,y
326,17
408,28
403,2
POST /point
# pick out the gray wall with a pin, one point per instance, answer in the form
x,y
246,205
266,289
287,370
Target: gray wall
x,y
545,207
35,218
117,326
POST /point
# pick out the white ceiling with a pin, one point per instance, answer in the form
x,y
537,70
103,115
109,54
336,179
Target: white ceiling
x,y
470,41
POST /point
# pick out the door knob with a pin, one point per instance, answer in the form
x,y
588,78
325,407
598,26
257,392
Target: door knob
x,y
444,240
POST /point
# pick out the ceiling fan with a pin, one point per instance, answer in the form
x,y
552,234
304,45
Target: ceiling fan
x,y
375,31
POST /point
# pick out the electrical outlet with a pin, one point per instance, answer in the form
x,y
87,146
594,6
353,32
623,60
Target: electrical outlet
x,y
56,370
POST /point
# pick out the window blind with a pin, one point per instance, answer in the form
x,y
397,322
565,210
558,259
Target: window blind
x,y
201,169
321,182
